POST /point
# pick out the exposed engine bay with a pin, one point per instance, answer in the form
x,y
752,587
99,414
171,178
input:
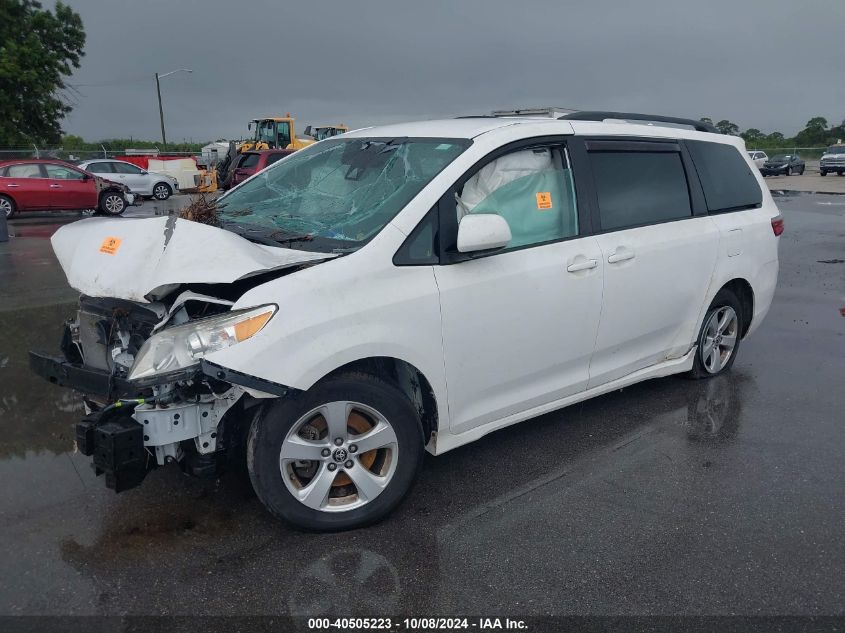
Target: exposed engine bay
x,y
154,304
187,416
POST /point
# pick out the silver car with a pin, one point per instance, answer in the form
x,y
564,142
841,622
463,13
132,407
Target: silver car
x,y
140,181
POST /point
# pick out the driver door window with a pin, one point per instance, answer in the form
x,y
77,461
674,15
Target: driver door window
x,y
532,189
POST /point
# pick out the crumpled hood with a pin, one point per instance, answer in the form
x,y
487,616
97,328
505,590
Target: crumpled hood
x,y
133,257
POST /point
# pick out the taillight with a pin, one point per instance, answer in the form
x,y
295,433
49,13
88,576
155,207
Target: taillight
x,y
777,225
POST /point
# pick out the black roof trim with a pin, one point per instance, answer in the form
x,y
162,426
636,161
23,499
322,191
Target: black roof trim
x,y
599,115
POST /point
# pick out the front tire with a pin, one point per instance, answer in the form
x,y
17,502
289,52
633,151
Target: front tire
x,y
823,173
719,337
7,206
339,456
112,203
162,191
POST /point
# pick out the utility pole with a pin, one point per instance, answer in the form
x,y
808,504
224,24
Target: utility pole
x,y
161,113
160,109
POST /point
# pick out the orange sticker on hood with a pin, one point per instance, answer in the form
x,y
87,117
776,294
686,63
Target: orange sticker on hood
x,y
110,245
544,200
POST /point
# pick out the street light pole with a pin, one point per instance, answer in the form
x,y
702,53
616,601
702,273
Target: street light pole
x,y
161,114
160,109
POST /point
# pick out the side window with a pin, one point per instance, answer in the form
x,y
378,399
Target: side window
x,y
636,188
726,178
532,189
249,160
59,172
125,168
100,168
272,158
24,171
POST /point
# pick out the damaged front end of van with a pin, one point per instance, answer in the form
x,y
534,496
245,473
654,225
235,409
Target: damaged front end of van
x,y
157,302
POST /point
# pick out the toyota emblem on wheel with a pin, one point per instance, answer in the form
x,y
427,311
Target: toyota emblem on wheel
x,y
340,455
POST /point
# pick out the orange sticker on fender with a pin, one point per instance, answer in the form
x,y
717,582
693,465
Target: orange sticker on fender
x,y
544,200
110,245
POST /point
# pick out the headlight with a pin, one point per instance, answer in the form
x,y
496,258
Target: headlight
x,y
183,346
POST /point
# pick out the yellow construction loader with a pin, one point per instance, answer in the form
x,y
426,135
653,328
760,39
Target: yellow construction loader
x,y
277,132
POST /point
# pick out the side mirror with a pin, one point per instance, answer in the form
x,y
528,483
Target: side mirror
x,y
86,176
144,172
482,232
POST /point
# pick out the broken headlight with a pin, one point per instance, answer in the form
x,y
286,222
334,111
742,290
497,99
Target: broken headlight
x,y
183,346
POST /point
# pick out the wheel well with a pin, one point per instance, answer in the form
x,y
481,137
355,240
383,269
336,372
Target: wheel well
x,y
407,378
742,289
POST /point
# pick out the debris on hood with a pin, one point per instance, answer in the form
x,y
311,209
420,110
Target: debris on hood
x,y
201,210
143,259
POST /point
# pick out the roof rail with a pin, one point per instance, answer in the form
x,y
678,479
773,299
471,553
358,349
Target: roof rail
x,y
597,115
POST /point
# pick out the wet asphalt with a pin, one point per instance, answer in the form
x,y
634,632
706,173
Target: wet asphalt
x,y
724,496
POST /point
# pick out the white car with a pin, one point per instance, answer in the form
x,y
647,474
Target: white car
x,y
411,287
140,181
758,158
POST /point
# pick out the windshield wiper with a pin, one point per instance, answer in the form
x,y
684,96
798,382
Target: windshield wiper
x,y
268,236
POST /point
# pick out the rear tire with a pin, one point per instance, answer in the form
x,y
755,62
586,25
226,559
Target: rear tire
x,y
801,173
311,492
789,171
719,337
112,203
162,191
822,173
7,206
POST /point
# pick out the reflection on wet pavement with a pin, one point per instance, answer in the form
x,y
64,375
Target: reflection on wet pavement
x,y
672,496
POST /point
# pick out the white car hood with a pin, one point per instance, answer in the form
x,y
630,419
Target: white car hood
x,y
141,259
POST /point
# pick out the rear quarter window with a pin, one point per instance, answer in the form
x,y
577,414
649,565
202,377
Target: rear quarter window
x,y
726,177
249,160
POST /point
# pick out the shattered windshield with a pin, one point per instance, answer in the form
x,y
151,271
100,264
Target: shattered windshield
x,y
340,191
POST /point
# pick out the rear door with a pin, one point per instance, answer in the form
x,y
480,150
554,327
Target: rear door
x,y
659,250
70,188
133,177
27,185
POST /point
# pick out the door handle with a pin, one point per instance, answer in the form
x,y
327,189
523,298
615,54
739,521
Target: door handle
x,y
587,264
622,255
13,185
55,186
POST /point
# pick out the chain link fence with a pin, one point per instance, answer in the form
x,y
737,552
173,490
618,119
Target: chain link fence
x,y
807,153
77,155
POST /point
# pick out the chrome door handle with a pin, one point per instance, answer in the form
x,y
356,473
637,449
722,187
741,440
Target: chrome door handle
x,y
55,186
13,185
618,256
587,264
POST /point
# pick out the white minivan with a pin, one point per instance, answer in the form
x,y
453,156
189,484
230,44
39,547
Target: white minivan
x,y
406,288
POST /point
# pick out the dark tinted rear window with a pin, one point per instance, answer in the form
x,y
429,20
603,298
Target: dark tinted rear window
x,y
637,188
726,177
249,160
272,158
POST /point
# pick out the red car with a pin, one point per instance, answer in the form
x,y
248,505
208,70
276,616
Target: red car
x,y
252,162
42,185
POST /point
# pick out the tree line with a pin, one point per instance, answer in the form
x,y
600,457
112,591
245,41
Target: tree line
x,y
817,133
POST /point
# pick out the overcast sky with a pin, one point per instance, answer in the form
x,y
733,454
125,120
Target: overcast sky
x,y
768,64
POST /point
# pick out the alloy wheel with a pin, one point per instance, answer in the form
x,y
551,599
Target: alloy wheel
x,y
161,192
718,339
339,456
114,203
6,207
